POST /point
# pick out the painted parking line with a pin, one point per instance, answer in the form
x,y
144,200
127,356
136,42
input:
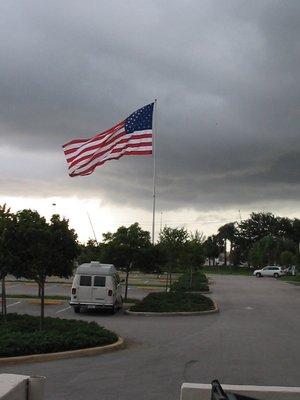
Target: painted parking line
x,y
64,309
14,304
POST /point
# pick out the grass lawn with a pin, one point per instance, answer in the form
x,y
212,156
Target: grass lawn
x,y
227,270
20,335
295,280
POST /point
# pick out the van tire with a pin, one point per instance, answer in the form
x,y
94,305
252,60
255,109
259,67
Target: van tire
x,y
120,305
113,310
76,310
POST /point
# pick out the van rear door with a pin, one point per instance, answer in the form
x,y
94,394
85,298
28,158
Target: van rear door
x,y
84,293
99,289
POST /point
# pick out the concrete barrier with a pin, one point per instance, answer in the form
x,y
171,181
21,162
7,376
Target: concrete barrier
x,y
201,391
21,387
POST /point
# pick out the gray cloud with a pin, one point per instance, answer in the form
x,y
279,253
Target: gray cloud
x,y
226,75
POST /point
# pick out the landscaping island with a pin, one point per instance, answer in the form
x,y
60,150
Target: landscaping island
x,y
173,302
183,297
20,335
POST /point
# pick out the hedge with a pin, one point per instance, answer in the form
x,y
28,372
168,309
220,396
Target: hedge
x,y
173,302
20,335
199,283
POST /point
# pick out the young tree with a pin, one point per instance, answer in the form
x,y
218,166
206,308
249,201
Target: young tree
x,y
123,248
46,249
193,254
172,241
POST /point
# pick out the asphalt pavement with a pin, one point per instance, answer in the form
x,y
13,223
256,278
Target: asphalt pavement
x,y
253,340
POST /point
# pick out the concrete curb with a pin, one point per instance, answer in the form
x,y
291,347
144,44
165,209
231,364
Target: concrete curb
x,y
198,292
173,314
48,302
92,351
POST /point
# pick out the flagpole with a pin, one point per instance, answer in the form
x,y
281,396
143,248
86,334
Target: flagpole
x,y
154,167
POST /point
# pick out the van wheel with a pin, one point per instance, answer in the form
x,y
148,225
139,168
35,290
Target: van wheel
x,y
120,305
276,275
77,310
258,274
113,310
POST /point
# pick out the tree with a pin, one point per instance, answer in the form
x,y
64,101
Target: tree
x,y
211,249
7,246
172,241
45,249
286,258
260,225
227,232
92,251
123,248
193,253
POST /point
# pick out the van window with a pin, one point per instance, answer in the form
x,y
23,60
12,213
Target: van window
x,y
99,281
85,280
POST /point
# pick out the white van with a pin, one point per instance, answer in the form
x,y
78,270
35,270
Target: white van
x,y
96,286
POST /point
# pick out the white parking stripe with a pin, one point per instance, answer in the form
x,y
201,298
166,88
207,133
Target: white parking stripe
x,y
14,304
64,309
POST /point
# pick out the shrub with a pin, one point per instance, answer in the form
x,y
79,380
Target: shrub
x,y
199,283
20,335
173,302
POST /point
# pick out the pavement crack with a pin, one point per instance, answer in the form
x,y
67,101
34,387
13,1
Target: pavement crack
x,y
186,368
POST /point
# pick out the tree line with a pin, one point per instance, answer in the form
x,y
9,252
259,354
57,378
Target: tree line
x,y
262,239
32,248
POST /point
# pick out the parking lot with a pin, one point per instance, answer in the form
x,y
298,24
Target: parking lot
x,y
253,340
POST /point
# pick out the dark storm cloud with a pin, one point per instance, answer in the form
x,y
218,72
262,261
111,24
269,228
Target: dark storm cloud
x,y
226,75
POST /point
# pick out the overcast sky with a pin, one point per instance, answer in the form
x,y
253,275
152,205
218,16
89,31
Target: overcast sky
x,y
226,76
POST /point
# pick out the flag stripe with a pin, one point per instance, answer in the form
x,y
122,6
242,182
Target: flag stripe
x,y
98,135
90,169
119,138
106,156
96,140
100,155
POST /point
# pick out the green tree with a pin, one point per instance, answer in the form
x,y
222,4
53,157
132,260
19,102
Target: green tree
x,y
286,258
193,254
227,232
260,225
46,249
123,248
211,249
92,251
264,252
172,241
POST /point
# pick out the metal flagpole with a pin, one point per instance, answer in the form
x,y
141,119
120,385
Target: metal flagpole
x,y
154,130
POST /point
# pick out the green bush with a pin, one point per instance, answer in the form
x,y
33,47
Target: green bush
x,y
199,283
173,302
20,335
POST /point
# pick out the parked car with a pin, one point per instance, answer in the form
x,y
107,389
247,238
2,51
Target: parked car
x,y
270,270
290,270
96,286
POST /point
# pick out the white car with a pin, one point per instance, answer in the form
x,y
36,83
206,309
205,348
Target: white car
x,y
270,270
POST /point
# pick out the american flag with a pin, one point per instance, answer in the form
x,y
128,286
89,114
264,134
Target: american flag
x,y
131,137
